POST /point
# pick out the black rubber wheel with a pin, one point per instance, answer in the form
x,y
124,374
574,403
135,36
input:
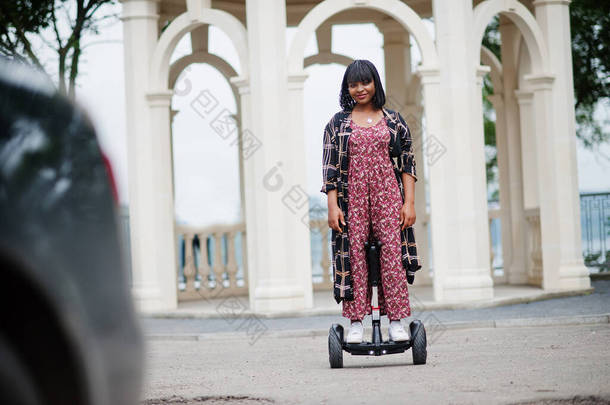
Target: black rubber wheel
x,y
418,342
335,349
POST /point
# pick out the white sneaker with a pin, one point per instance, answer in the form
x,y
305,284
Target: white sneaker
x,y
397,332
355,333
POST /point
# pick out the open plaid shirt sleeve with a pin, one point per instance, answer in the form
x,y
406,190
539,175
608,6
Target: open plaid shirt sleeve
x,y
329,159
407,157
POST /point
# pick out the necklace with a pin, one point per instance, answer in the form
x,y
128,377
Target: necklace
x,y
369,120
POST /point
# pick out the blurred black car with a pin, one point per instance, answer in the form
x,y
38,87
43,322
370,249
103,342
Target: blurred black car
x,y
68,329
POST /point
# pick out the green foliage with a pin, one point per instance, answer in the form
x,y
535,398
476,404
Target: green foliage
x,y
588,129
590,29
17,20
57,24
491,38
489,131
30,16
590,26
593,260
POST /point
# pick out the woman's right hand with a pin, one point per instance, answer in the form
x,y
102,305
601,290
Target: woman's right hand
x,y
335,217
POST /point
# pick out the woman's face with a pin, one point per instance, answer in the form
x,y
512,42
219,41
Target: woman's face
x,y
362,92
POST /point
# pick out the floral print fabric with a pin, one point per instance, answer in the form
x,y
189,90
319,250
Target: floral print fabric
x,y
374,210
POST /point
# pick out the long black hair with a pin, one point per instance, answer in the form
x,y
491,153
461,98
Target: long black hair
x,y
361,70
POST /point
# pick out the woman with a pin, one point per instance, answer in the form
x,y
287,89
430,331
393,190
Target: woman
x,y
359,143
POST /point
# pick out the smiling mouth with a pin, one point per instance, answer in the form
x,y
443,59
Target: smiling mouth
x,y
361,96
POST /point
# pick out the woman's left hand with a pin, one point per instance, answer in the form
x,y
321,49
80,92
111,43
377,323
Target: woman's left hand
x,y
407,215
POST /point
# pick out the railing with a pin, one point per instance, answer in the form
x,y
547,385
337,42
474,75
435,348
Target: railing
x,y
219,269
212,261
320,254
534,246
595,224
201,275
496,259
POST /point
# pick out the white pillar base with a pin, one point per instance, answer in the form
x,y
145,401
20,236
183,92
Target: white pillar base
x,y
150,299
574,277
467,287
278,298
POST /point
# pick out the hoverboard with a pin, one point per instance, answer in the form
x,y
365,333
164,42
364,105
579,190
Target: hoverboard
x,y
376,346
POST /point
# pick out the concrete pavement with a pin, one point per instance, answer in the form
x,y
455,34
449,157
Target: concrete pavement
x,y
465,366
555,351
577,309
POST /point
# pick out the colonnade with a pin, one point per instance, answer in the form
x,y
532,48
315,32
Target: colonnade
x,y
535,140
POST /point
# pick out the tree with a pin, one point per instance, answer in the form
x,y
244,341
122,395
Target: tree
x,y
491,40
28,26
590,25
590,30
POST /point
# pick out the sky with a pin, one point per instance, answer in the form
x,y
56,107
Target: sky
x,y
201,198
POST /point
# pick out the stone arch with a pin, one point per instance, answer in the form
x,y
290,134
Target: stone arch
x,y
525,22
414,92
488,58
326,58
203,57
186,22
394,8
524,65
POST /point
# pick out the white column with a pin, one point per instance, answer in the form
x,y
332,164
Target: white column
x,y
515,260
296,164
248,145
529,160
277,196
479,134
460,230
413,116
559,204
161,226
397,54
434,150
528,148
562,262
530,170
152,243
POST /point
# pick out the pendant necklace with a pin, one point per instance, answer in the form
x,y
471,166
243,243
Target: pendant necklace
x,y
369,120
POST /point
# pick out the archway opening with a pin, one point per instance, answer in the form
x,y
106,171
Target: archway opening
x,y
325,57
510,42
492,83
207,172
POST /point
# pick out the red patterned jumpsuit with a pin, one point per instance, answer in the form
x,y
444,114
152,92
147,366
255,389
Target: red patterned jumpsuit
x,y
374,203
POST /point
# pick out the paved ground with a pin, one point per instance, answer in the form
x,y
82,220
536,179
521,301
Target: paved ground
x,y
465,366
593,304
285,360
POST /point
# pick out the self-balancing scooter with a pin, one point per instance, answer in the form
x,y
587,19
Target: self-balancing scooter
x,y
377,346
